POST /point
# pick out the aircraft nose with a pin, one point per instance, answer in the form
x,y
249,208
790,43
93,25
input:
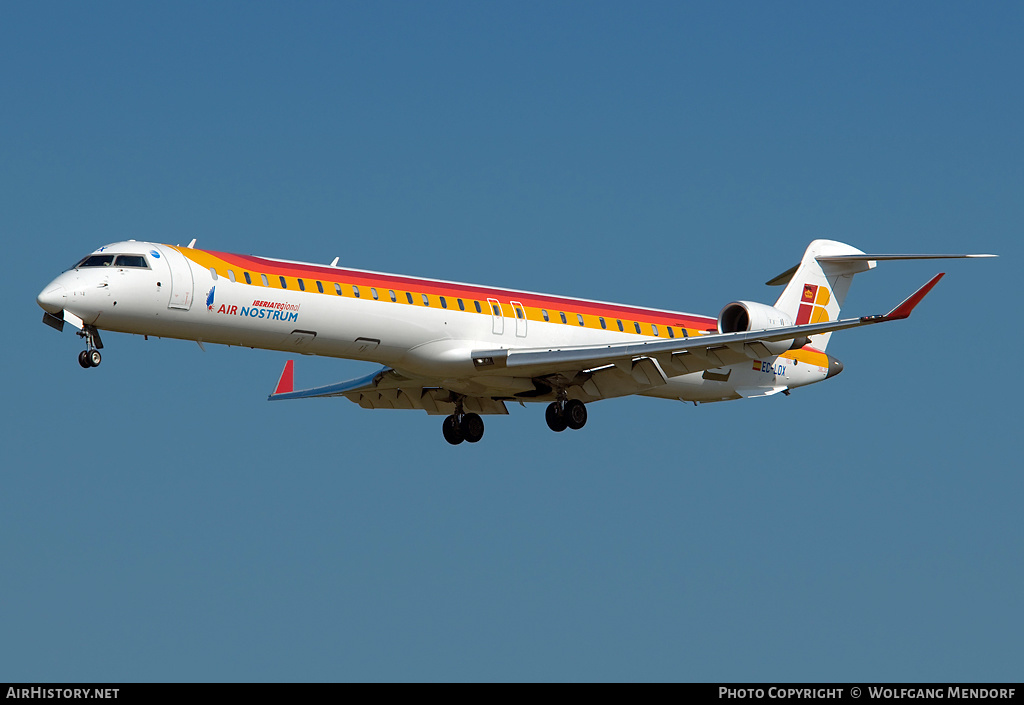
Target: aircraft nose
x,y
834,367
52,298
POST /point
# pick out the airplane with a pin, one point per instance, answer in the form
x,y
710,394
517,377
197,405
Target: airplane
x,y
462,350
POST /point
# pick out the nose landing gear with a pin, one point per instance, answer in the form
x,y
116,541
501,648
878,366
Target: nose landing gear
x,y
90,357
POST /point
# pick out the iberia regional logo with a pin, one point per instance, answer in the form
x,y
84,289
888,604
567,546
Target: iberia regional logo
x,y
209,298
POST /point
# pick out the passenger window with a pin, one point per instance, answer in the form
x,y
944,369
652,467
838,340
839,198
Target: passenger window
x,y
231,275
444,304
355,291
408,297
373,292
637,326
213,273
266,282
601,321
544,315
391,292
519,313
654,328
337,288
562,314
426,301
497,309
579,317
284,284
137,261
462,306
248,279
478,310
619,321
671,333
320,287
302,285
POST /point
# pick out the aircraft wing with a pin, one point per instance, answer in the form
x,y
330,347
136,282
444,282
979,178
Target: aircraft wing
x,y
387,389
602,371
679,355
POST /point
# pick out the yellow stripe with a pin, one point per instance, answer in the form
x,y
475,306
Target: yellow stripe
x,y
220,267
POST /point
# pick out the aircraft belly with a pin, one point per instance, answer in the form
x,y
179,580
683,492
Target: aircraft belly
x,y
744,380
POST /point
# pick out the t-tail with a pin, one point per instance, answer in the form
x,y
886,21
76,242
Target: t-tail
x,y
817,287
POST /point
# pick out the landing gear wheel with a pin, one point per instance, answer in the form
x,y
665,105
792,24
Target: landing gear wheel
x,y
94,358
575,414
555,418
452,430
472,427
83,359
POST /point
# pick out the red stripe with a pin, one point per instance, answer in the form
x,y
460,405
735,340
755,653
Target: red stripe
x,y
465,291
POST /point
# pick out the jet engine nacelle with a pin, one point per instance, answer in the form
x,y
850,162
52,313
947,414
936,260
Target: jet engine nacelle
x,y
740,316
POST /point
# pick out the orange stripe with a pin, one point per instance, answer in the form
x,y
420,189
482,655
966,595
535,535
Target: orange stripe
x,y
629,314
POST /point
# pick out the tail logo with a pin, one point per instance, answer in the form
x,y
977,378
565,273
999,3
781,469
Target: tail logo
x,y
812,305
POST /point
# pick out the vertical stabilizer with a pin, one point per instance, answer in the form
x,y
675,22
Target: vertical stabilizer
x,y
816,290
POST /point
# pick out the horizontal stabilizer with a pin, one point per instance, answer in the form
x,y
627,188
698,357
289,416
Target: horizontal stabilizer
x,y
785,277
881,258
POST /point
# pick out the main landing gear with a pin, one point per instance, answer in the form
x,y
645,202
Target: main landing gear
x,y
90,357
461,427
562,414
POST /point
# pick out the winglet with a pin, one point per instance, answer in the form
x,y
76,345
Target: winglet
x,y
287,382
904,309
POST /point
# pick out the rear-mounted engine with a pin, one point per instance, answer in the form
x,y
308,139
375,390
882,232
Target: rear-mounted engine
x,y
742,316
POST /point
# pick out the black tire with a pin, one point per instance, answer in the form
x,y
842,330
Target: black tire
x,y
575,414
83,359
555,418
451,430
94,358
472,427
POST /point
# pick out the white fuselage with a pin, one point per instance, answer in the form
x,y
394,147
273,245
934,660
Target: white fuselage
x,y
175,295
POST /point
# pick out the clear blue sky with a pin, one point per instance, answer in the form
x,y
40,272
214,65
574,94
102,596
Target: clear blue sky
x,y
159,520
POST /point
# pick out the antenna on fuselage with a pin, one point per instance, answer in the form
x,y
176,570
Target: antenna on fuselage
x,y
335,262
193,243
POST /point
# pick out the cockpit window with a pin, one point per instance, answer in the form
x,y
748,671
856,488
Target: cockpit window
x,y
96,261
105,260
131,261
